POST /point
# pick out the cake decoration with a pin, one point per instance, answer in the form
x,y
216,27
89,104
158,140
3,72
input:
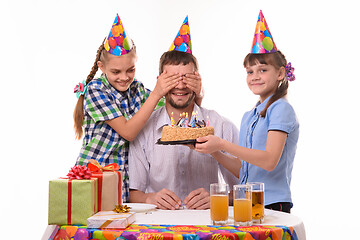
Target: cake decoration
x,y
263,41
117,42
186,129
182,41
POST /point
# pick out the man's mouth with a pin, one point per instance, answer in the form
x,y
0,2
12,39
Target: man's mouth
x,y
180,94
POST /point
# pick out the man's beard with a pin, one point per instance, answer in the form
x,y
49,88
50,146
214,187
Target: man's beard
x,y
178,106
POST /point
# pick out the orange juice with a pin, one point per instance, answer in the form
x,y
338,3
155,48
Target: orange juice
x,y
242,210
258,204
219,207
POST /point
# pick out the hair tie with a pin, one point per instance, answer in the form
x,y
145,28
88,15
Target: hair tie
x,y
80,89
290,76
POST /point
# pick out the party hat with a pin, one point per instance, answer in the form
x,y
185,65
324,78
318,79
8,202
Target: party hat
x,y
118,43
182,42
263,41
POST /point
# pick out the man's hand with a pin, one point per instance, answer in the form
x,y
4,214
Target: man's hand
x,y
198,199
165,199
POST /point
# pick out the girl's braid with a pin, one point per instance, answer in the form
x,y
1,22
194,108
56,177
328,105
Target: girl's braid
x,y
95,68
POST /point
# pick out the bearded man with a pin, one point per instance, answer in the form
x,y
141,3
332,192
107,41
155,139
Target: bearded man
x,y
175,176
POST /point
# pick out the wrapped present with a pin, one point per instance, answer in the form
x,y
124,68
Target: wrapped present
x,y
72,200
109,184
110,219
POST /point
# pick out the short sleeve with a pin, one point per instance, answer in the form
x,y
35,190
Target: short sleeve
x,y
100,104
281,116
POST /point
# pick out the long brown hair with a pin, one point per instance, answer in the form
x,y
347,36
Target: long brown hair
x,y
79,108
102,56
276,59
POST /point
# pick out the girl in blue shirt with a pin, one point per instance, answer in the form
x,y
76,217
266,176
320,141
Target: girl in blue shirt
x,y
268,133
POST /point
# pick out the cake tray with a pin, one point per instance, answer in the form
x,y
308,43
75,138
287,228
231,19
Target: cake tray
x,y
181,142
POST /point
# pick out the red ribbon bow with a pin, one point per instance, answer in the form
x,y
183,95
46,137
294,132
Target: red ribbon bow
x,y
94,166
79,172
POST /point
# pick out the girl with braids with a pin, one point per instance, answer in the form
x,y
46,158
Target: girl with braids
x,y
268,133
113,108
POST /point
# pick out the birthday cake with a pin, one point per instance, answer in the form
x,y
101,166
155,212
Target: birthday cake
x,y
175,133
186,129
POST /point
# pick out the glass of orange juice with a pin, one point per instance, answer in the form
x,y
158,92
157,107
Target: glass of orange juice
x,y
242,205
258,200
219,203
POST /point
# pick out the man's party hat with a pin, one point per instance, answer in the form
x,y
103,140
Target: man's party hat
x,y
118,43
263,41
182,42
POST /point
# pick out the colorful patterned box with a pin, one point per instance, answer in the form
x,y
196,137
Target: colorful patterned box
x,y
72,201
110,219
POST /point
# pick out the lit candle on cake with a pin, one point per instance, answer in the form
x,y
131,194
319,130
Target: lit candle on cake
x,y
172,119
181,120
207,121
192,120
187,120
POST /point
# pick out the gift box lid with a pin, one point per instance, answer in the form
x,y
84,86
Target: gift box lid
x,y
110,219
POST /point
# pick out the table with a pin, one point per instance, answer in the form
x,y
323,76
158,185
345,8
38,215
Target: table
x,y
185,218
202,217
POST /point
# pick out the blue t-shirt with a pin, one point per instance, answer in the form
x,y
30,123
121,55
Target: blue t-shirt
x,y
280,116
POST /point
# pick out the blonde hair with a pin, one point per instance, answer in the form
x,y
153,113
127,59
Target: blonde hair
x,y
78,115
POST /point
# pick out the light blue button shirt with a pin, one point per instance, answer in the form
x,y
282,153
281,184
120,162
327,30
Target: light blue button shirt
x,y
280,116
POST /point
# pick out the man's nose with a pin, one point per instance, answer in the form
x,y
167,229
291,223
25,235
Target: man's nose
x,y
181,85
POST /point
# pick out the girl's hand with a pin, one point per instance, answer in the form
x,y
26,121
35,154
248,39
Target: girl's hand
x,y
208,144
166,82
193,82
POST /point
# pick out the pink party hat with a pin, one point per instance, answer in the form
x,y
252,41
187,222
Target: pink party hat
x,y
263,41
182,42
118,43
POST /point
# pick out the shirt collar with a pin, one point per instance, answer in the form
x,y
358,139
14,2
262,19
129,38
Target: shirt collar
x,y
119,95
260,106
164,118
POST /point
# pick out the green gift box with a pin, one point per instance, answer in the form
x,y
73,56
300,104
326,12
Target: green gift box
x,y
72,201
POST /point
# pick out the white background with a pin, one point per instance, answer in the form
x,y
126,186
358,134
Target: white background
x,y
49,46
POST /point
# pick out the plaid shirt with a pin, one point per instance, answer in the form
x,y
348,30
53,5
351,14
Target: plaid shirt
x,y
103,102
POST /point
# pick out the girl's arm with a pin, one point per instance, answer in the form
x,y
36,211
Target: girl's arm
x,y
231,163
267,159
193,82
129,129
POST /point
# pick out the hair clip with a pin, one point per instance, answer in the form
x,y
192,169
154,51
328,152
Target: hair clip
x,y
290,76
80,89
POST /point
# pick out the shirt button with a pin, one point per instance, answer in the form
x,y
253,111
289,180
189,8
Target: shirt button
x,y
183,172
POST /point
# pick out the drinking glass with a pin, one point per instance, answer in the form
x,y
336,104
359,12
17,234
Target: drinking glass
x,y
242,205
258,207
219,203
